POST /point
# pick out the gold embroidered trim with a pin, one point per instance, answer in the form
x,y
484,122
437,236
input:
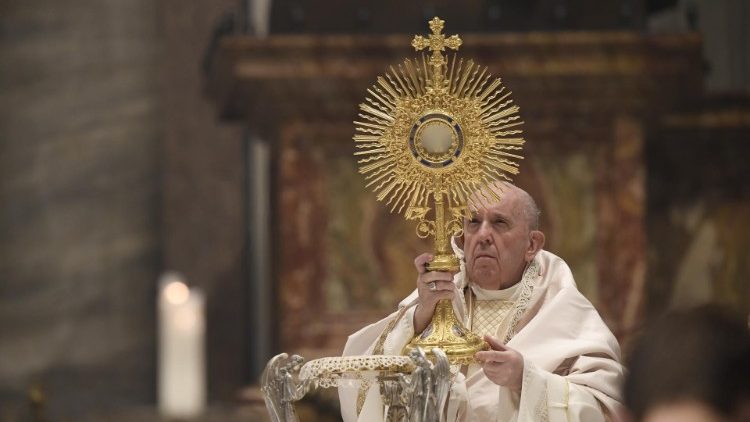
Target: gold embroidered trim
x,y
527,288
567,399
364,387
378,350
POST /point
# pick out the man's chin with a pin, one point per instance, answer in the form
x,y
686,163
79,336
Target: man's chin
x,y
484,276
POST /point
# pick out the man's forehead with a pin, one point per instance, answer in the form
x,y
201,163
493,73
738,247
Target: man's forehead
x,y
502,208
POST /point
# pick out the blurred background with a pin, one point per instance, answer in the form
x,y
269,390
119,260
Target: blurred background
x,y
213,138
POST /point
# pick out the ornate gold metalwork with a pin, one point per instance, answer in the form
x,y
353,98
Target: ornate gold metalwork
x,y
448,333
437,130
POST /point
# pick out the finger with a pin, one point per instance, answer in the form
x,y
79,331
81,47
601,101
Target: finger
x,y
445,286
440,286
442,294
493,371
435,281
436,276
490,356
495,344
421,261
496,355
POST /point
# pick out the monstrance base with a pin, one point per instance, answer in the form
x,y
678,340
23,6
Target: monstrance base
x,y
449,334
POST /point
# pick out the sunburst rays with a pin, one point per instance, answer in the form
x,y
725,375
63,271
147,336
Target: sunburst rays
x,y
476,100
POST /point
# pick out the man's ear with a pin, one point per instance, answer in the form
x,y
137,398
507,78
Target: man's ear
x,y
536,243
460,241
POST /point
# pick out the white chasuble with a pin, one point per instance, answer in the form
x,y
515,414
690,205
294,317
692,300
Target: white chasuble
x,y
571,359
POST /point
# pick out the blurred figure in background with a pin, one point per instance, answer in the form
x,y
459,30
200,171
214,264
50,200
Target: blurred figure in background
x,y
691,366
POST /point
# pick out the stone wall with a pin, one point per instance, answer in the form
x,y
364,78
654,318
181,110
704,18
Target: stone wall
x,y
113,167
80,200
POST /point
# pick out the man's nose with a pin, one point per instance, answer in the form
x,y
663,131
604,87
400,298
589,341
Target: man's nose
x,y
485,233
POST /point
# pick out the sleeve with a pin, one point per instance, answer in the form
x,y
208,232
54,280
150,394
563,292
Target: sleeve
x,y
382,337
401,334
549,397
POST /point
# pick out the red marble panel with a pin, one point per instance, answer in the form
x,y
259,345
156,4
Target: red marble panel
x,y
344,260
621,226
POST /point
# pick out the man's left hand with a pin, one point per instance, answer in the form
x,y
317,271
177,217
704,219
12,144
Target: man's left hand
x,y
502,365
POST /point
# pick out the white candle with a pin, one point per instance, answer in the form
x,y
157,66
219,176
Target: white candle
x,y
182,386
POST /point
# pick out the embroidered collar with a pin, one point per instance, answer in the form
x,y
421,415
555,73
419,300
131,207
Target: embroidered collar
x,y
503,294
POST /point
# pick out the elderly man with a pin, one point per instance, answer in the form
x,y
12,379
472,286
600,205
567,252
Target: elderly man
x,y
552,356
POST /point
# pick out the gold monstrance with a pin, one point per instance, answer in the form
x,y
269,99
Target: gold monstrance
x,y
438,130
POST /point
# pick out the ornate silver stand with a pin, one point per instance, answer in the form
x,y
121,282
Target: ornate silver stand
x,y
413,388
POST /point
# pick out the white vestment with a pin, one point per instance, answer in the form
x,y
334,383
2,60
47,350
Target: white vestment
x,y
571,359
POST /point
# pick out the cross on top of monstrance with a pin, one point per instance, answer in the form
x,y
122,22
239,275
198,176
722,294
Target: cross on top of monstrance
x,y
431,135
437,42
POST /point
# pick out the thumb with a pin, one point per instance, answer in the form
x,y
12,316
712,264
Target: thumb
x,y
420,261
495,344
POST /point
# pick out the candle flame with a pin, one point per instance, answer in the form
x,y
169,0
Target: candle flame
x,y
176,292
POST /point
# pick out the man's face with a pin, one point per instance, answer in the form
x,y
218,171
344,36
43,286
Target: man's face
x,y
496,242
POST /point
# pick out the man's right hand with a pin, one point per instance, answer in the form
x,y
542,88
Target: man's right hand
x,y
429,297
